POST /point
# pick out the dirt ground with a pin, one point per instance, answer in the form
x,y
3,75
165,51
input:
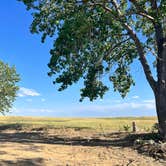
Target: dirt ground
x,y
70,147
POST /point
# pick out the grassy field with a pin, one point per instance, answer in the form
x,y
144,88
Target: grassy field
x,y
112,124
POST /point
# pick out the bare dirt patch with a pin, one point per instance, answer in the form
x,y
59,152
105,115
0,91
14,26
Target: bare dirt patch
x,y
70,146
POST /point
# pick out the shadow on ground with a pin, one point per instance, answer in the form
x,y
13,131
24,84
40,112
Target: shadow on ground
x,y
14,133
14,126
17,126
23,162
119,139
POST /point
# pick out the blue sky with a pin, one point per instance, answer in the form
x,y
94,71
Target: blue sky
x,y
38,96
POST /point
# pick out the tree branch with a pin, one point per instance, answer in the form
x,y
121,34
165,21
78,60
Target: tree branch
x,y
159,39
116,45
141,14
109,51
133,36
142,58
139,47
138,6
158,28
141,11
154,4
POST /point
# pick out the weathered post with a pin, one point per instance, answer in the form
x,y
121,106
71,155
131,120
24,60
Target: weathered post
x,y
134,127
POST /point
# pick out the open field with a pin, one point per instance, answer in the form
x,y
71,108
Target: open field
x,y
111,124
38,141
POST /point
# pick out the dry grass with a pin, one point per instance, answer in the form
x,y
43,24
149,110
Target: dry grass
x,y
114,124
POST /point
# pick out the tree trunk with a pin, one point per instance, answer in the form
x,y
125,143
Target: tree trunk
x,y
160,91
161,110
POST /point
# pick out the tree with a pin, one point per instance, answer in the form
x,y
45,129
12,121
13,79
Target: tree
x,y
103,37
8,87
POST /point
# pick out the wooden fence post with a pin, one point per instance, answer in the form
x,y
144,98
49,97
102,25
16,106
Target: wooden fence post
x,y
134,127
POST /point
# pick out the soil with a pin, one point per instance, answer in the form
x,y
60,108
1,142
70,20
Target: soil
x,y
71,147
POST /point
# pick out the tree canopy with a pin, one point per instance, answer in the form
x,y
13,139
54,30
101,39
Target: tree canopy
x,y
98,38
8,87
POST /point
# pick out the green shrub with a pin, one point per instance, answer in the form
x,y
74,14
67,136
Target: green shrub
x,y
126,128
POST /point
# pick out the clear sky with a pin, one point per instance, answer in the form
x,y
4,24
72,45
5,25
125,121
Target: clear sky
x,y
38,96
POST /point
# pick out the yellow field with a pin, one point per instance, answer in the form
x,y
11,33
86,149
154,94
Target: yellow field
x,y
114,124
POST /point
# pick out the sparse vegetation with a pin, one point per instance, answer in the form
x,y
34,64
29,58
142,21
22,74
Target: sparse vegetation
x,y
107,124
126,128
155,127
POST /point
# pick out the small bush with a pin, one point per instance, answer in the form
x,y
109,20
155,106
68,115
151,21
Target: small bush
x,y
147,129
155,127
126,128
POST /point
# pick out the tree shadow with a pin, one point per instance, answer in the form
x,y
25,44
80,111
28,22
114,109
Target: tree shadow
x,y
2,153
23,162
28,134
20,126
119,139
14,126
114,139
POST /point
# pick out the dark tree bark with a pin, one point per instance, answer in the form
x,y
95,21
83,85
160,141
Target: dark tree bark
x,y
161,111
160,93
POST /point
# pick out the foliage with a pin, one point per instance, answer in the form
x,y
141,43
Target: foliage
x,y
8,87
147,129
98,38
155,127
126,128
